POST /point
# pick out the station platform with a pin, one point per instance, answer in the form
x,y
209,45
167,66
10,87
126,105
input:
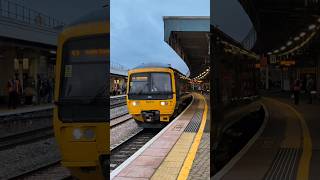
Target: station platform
x,y
179,151
4,111
285,147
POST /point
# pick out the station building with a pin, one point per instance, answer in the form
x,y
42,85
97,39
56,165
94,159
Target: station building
x,y
118,79
28,43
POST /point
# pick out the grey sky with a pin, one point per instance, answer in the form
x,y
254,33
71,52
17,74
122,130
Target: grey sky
x,y
137,30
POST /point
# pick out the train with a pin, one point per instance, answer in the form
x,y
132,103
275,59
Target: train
x,y
81,121
156,93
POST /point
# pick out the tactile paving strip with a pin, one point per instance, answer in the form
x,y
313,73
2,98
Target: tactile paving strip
x,y
284,166
195,122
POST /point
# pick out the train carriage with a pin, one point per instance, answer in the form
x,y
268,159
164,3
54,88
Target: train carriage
x,y
81,121
155,94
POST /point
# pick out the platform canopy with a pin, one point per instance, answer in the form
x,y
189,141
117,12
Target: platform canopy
x,y
189,37
281,24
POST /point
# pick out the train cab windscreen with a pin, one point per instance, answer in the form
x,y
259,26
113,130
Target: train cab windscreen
x,y
155,85
83,93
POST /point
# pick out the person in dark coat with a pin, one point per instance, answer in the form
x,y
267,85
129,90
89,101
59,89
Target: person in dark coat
x,y
10,88
296,91
309,88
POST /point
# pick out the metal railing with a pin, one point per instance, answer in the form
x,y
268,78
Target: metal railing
x,y
118,66
249,41
24,14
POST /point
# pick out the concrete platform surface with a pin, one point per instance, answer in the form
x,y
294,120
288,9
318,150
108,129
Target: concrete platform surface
x,y
4,111
282,151
170,154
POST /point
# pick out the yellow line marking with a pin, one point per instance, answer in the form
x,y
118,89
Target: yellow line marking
x,y
185,170
304,163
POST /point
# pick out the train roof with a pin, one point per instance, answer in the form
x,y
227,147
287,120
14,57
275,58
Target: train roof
x,y
156,65
153,65
102,14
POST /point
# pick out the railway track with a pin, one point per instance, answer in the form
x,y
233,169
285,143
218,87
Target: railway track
x,y
10,141
51,170
119,114
120,120
126,149
41,114
26,137
117,101
118,105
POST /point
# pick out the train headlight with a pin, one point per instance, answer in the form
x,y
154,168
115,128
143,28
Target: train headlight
x,y
135,103
88,134
77,134
83,134
164,103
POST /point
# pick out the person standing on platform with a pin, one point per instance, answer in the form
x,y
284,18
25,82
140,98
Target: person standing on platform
x,y
10,87
309,88
296,91
38,87
291,88
50,90
29,95
18,90
43,91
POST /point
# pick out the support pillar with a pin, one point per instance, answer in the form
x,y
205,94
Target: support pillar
x,y
267,77
216,104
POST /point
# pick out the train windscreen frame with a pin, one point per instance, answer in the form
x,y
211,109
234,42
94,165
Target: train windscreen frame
x,y
83,83
151,86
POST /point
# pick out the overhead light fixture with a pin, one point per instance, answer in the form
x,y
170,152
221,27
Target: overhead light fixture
x,y
276,51
318,19
302,34
283,48
297,38
269,53
289,43
312,26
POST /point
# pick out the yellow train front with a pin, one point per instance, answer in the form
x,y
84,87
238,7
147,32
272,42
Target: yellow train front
x,y
81,122
155,94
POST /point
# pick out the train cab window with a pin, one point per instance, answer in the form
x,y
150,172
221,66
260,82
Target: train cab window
x,y
85,67
161,82
155,85
139,83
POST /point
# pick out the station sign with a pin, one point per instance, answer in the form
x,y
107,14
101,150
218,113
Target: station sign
x,y
89,52
287,62
140,78
310,70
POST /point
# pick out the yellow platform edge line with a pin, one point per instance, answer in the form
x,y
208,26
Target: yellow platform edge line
x,y
304,163
185,170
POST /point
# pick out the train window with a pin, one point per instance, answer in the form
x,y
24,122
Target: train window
x,y
161,82
139,83
83,79
155,83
